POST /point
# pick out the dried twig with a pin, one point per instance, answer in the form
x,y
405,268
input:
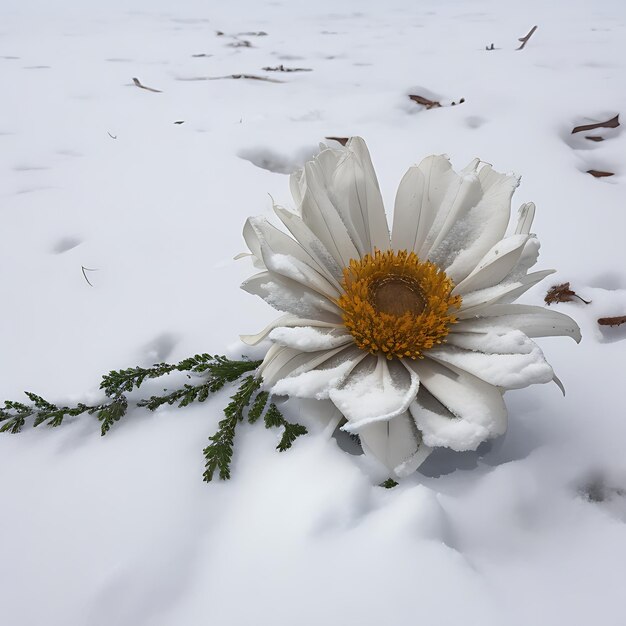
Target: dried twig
x,y
201,55
600,173
525,39
179,122
138,84
594,138
342,140
112,136
562,293
612,123
491,47
87,269
282,68
612,321
235,77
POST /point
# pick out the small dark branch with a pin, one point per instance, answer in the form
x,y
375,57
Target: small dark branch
x,y
612,123
282,68
87,269
600,173
342,140
594,138
112,136
525,39
612,321
201,55
179,122
562,293
491,47
138,84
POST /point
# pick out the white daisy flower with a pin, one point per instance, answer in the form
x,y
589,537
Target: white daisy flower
x,y
412,335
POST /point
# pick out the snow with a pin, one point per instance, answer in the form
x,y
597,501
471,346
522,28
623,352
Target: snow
x,y
95,173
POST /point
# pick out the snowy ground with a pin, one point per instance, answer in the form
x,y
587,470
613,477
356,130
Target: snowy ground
x,y
94,172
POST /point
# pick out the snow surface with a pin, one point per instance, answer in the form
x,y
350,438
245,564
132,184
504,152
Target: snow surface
x,y
121,530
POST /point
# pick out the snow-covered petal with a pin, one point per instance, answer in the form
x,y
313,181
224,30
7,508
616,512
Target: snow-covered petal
x,y
317,383
281,362
519,365
288,321
310,339
494,266
376,390
459,411
475,302
289,296
321,216
312,244
396,443
283,255
475,231
533,321
418,199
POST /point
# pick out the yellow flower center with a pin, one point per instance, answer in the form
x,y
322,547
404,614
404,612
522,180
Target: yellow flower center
x,y
397,305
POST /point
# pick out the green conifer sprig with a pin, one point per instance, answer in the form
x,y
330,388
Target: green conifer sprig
x,y
213,371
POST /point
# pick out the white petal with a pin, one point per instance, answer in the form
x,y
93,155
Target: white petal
x,y
289,296
287,321
281,362
525,217
474,303
356,182
521,365
459,411
317,383
376,390
477,229
533,321
494,266
310,339
320,215
305,237
283,255
418,200
396,443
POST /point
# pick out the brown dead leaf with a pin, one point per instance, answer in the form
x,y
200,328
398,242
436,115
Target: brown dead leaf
x,y
429,104
612,123
342,140
138,84
600,174
562,293
612,321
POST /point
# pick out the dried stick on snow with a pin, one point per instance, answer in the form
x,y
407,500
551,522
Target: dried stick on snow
x,y
525,39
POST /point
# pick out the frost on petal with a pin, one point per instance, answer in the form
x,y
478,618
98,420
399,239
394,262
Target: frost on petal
x,y
310,339
317,383
280,362
418,200
477,228
287,321
515,367
397,444
477,301
455,409
283,255
534,321
312,244
376,390
495,266
290,296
